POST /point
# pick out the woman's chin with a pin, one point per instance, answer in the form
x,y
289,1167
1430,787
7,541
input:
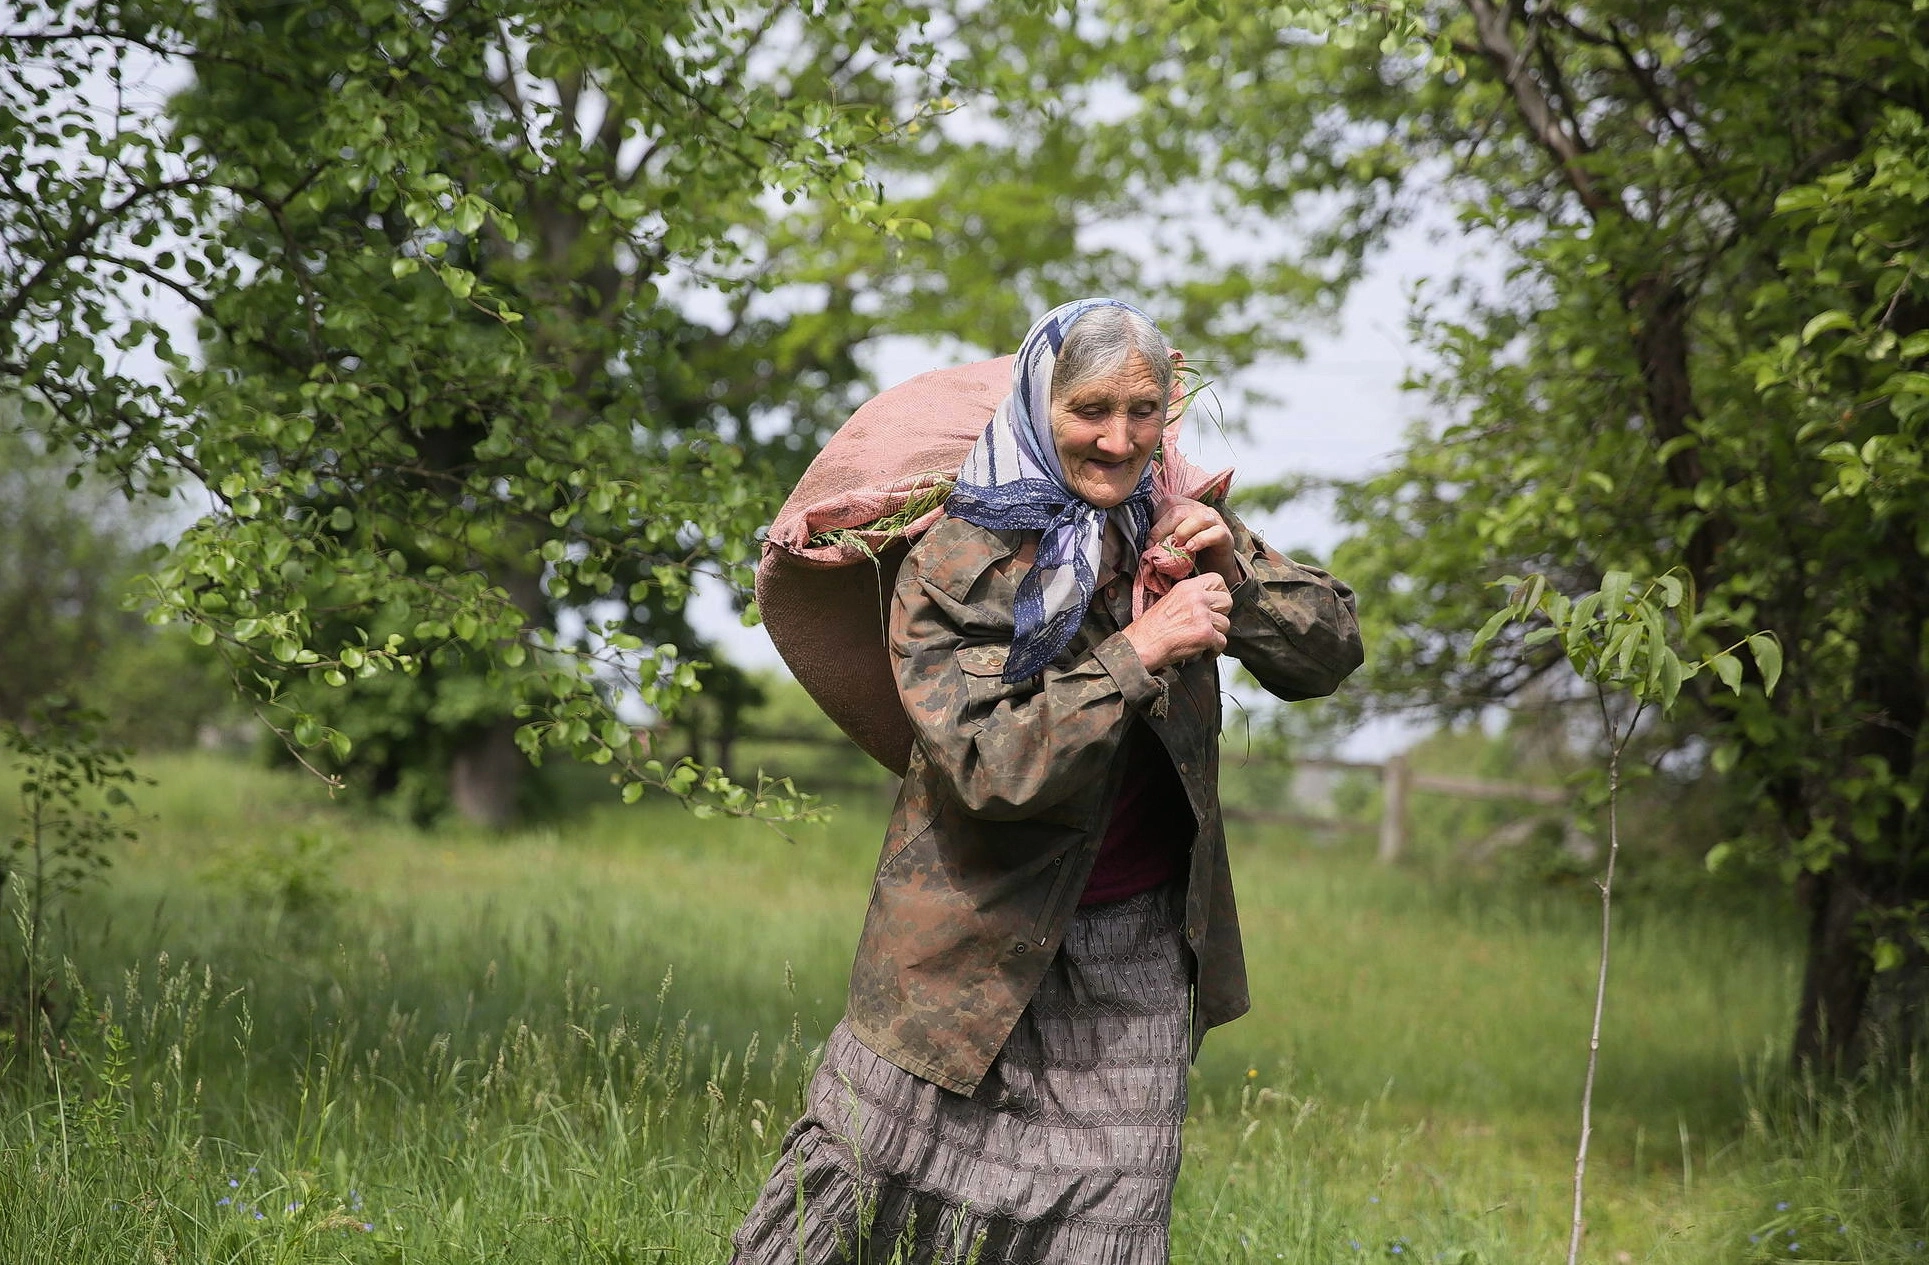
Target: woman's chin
x,y
1103,493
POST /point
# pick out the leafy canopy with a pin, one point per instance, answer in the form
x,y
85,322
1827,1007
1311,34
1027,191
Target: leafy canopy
x,y
440,387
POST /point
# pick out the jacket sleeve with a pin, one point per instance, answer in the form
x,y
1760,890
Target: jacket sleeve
x,y
1293,626
1008,750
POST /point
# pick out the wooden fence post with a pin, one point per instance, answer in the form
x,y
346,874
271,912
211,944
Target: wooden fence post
x,y
1394,782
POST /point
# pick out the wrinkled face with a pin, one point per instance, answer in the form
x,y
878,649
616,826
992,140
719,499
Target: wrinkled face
x,y
1106,429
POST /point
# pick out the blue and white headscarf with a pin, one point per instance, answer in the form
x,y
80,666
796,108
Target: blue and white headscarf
x,y
1012,480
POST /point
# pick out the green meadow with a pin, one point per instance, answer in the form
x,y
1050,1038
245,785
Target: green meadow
x,y
300,1032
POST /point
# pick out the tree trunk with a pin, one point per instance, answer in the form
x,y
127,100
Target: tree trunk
x,y
1851,1016
1835,979
1660,309
487,768
485,775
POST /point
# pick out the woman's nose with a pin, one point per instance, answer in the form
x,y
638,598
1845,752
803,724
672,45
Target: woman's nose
x,y
1115,437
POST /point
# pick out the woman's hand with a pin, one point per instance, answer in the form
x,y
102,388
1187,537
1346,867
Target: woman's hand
x,y
1189,621
1196,528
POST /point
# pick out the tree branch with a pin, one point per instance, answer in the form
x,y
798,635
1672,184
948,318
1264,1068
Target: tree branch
x,y
1569,150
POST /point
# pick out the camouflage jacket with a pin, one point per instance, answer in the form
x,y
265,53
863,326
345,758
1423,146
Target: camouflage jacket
x,y
1009,787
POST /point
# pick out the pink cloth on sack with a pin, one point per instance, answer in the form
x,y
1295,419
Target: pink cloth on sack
x,y
824,604
1173,477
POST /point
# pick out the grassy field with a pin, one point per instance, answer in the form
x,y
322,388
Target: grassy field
x,y
305,1034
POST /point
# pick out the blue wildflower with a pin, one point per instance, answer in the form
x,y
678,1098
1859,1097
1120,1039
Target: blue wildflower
x,y
1373,1199
368,1227
1782,1206
223,1202
1795,1247
232,1183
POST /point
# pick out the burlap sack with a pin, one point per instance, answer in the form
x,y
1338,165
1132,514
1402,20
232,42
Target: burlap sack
x,y
825,605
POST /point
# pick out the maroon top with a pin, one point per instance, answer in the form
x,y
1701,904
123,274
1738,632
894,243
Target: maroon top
x,y
1148,838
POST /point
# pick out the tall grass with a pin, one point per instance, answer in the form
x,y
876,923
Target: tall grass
x,y
586,1044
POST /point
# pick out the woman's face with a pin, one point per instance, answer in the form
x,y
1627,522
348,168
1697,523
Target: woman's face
x,y
1106,429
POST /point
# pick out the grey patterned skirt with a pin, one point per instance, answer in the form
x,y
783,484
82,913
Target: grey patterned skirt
x,y
1066,1154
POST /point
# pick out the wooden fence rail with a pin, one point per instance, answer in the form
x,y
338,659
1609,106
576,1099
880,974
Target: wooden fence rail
x,y
1399,783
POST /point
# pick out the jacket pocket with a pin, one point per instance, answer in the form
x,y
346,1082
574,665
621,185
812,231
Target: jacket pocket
x,y
983,667
916,812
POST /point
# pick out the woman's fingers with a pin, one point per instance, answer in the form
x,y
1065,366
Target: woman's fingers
x,y
1212,588
1199,531
1184,518
1193,619
1203,609
1202,536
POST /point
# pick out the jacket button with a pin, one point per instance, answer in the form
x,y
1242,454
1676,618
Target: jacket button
x,y
1184,767
1020,947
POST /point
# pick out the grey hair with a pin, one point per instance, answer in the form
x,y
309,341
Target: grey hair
x,y
1101,341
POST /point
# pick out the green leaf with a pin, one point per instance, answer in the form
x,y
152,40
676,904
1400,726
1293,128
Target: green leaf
x,y
1767,649
1887,955
1728,668
1490,629
1668,679
1822,322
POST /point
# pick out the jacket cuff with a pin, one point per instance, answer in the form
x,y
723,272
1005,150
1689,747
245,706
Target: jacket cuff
x,y
1249,586
1141,689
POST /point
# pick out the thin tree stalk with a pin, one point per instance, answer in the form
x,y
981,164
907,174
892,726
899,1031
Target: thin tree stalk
x,y
1616,741
37,903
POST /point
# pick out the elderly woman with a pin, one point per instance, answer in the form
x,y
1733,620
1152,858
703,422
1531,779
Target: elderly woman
x,y
1052,928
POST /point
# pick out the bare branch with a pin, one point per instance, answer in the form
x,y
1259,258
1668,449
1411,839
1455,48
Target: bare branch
x,y
1568,149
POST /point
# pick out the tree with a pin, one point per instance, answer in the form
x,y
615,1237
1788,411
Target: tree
x,y
1637,399
65,558
1687,193
69,550
446,394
